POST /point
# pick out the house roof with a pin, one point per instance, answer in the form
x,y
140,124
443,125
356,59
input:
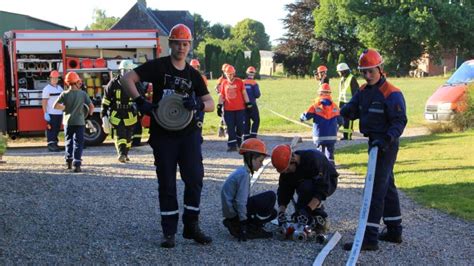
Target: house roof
x,y
14,21
141,17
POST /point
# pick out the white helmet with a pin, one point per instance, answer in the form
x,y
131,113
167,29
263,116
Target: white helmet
x,y
342,67
127,65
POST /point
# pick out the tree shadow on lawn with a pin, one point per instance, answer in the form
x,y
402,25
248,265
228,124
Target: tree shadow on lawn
x,y
455,199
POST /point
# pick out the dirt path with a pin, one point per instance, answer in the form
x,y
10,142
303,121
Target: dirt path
x,y
109,214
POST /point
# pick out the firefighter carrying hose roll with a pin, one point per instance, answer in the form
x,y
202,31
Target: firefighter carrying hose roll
x,y
119,110
380,106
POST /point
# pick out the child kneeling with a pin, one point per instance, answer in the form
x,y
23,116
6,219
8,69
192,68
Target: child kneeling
x,y
245,216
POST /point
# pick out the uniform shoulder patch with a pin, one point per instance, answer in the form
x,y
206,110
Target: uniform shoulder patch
x,y
387,88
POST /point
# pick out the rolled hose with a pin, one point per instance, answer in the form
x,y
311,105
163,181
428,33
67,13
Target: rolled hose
x,y
3,144
171,113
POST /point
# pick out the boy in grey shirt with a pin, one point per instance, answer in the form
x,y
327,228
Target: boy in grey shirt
x,y
244,215
76,106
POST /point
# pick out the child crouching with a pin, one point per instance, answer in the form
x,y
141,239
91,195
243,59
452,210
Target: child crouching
x,y
245,216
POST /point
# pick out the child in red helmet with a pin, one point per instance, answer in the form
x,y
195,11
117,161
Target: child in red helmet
x,y
324,113
244,216
252,121
321,74
73,102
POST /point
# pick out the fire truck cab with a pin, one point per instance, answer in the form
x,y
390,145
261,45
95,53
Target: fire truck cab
x,y
27,58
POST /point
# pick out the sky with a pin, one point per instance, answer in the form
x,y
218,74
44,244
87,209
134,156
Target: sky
x,y
79,13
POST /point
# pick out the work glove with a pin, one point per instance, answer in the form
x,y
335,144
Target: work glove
x,y
144,106
248,106
219,110
47,117
303,117
243,230
281,218
303,216
106,124
191,104
381,143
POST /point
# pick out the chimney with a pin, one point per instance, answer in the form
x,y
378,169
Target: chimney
x,y
143,2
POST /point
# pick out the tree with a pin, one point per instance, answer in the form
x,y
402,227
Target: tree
x,y
219,31
201,30
101,21
251,34
331,65
255,60
315,62
299,42
403,31
337,29
240,64
342,58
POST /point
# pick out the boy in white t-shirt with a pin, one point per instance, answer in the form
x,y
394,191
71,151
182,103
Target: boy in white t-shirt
x,y
53,117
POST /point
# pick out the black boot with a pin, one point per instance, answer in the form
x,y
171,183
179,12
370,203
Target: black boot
x,y
77,169
69,164
391,237
256,232
365,246
169,242
192,231
232,224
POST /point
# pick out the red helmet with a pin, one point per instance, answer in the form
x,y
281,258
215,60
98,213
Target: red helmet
x,y
54,74
253,145
322,69
180,32
229,69
281,156
72,78
195,63
370,58
325,88
251,69
223,67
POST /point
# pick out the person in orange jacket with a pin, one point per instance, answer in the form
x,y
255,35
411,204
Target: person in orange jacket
x,y
252,121
324,113
196,65
233,101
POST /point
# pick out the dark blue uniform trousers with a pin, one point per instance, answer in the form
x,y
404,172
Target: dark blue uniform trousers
x,y
53,131
74,140
261,208
252,122
328,150
185,151
235,127
385,202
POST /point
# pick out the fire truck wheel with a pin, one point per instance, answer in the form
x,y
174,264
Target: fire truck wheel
x,y
94,133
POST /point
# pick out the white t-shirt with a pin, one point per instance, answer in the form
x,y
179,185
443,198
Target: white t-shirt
x,y
52,93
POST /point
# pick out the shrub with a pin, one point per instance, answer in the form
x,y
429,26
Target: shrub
x,y
465,120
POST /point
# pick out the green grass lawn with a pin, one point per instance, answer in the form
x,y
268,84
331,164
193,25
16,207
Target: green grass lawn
x,y
291,97
436,171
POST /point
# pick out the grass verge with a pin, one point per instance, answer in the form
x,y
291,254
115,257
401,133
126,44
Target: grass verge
x,y
436,171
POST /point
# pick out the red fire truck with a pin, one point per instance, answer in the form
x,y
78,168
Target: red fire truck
x,y
28,56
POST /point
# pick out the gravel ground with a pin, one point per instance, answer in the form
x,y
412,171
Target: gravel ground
x,y
109,214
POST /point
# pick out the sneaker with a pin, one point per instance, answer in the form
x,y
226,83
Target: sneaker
x,y
122,158
391,237
53,147
169,242
365,246
77,169
69,164
192,231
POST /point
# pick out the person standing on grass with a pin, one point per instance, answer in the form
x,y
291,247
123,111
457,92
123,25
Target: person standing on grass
x,y
252,121
380,106
52,116
73,102
321,75
348,86
324,113
233,100
171,75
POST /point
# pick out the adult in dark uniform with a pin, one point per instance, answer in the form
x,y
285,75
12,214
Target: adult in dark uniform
x,y
172,75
